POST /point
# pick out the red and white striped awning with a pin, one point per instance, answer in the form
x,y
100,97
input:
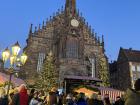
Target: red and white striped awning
x,y
113,93
16,81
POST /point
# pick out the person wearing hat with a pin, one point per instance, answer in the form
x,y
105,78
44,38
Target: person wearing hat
x,y
132,96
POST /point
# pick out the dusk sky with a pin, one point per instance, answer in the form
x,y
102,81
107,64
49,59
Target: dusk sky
x,y
117,20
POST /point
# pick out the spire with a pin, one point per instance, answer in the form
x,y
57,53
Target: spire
x,y
102,39
43,24
103,43
70,7
30,31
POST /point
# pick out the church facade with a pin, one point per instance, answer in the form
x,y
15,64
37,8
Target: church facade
x,y
77,49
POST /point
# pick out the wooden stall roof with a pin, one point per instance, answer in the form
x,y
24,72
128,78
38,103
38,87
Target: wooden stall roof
x,y
82,78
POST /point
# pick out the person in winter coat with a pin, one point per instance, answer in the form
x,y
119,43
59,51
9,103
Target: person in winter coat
x,y
34,100
94,100
81,99
107,100
119,101
132,96
22,97
3,97
52,98
31,95
69,100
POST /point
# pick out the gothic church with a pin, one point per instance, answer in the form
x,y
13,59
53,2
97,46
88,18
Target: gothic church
x,y
77,49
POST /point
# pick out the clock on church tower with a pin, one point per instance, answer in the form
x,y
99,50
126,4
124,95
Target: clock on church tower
x,y
74,22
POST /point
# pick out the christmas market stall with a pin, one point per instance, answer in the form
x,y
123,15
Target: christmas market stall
x,y
5,78
71,82
87,90
113,93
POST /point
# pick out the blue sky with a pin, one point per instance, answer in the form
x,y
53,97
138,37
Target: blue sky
x,y
117,20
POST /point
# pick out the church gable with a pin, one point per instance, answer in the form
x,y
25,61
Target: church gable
x,y
70,39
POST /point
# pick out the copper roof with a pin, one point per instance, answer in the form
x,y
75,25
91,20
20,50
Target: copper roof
x,y
81,78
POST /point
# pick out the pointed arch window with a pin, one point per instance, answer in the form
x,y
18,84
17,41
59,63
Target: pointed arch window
x,y
72,48
41,57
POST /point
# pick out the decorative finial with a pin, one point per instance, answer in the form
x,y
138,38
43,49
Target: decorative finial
x,y
62,9
35,29
92,33
103,43
39,27
31,29
84,20
43,24
93,30
102,38
47,21
90,28
98,39
87,24
50,17
96,36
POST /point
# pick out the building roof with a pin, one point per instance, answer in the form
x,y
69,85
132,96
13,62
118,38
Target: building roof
x,y
132,55
82,78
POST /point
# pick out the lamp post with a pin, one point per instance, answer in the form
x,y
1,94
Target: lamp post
x,y
15,60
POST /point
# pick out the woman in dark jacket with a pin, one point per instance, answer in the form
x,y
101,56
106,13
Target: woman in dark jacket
x,y
3,97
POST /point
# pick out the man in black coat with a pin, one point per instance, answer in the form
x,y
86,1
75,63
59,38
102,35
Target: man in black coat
x,y
119,101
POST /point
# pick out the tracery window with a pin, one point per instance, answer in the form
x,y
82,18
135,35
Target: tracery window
x,y
72,48
41,58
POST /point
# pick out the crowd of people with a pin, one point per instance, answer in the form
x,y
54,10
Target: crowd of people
x,y
22,96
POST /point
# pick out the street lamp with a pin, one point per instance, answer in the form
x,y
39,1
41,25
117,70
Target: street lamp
x,y
15,60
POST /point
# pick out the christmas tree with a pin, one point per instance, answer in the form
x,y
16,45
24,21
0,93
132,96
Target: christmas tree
x,y
104,72
48,77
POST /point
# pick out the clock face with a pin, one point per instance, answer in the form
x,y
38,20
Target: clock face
x,y
74,23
